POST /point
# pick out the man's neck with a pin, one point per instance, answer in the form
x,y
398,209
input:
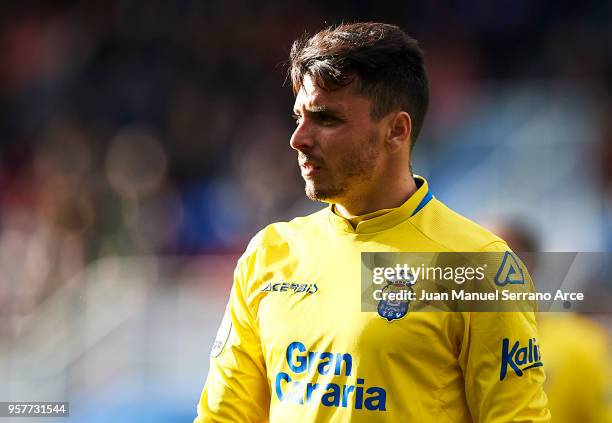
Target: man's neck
x,y
378,199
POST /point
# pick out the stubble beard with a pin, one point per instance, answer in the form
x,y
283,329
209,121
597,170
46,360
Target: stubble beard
x,y
355,168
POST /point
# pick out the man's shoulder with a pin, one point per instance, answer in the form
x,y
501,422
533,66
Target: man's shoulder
x,y
283,232
454,231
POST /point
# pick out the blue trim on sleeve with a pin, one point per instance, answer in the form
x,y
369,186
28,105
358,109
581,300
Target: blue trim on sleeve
x,y
423,203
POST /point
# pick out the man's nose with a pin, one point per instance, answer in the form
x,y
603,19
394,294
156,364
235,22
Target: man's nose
x,y
302,138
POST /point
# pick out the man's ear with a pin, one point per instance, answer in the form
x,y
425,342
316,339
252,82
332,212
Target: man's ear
x,y
399,131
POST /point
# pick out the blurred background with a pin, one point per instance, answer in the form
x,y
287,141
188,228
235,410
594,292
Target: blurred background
x,y
142,144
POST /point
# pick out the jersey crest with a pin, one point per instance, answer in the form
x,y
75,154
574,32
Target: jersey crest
x,y
393,309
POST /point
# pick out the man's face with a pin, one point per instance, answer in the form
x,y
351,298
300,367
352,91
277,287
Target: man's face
x,y
339,145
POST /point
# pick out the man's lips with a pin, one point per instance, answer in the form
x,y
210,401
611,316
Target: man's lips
x,y
309,165
309,168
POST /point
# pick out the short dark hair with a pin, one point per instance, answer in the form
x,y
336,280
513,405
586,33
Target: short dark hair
x,y
384,61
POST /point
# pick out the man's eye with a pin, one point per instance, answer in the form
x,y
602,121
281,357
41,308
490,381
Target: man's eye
x,y
327,119
322,119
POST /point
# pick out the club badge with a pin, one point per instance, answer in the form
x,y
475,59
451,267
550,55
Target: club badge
x,y
395,306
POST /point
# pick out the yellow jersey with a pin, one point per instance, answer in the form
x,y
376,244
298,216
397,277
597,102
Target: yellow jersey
x,y
578,368
294,345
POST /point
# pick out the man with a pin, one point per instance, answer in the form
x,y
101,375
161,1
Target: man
x,y
294,345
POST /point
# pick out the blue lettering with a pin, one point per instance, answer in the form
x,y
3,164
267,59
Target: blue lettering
x,y
332,397
521,356
301,391
301,360
281,376
310,389
347,367
323,367
508,359
515,357
346,391
378,402
530,350
359,394
311,359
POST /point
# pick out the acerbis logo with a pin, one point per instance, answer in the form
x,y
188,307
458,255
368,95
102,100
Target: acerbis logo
x,y
519,359
510,271
296,288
